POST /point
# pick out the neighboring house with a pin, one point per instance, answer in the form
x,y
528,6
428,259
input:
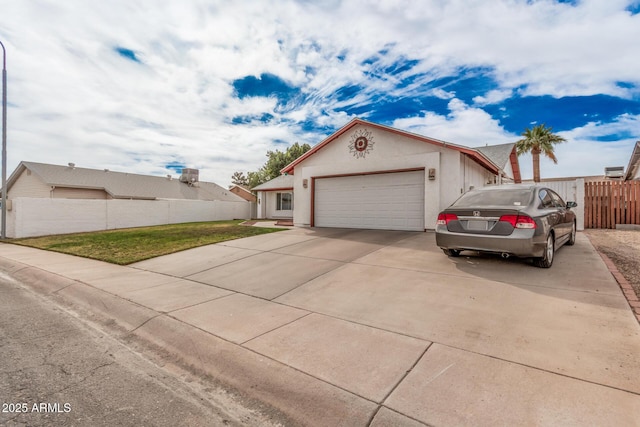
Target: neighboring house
x,y
239,190
368,175
275,198
633,169
40,180
50,199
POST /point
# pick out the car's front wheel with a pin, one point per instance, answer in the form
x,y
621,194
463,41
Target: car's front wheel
x,y
451,252
546,260
572,238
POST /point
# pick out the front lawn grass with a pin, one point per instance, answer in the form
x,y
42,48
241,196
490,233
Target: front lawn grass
x,y
126,246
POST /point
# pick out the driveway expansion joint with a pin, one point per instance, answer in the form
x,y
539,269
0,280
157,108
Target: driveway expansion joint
x,y
395,386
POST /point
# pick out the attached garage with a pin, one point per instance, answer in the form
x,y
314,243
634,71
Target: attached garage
x,y
367,175
387,201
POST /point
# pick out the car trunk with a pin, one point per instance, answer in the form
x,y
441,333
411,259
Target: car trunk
x,y
481,221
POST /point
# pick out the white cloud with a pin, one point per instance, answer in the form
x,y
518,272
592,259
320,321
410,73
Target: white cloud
x,y
493,97
442,94
72,98
463,125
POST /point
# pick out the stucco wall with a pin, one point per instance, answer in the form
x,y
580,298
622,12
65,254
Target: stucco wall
x,y
79,193
268,204
473,175
41,216
28,185
390,151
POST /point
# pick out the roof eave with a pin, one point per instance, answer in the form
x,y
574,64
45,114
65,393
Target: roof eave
x,y
277,189
289,169
15,174
634,162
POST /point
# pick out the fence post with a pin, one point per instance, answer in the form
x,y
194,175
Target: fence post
x,y
599,218
635,191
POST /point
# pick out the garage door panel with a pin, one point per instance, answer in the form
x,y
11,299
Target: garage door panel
x,y
392,201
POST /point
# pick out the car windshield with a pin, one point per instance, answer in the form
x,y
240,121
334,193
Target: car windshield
x,y
497,197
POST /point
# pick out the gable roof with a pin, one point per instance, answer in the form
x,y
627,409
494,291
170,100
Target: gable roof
x,y
120,185
473,153
634,162
241,191
282,182
501,155
241,188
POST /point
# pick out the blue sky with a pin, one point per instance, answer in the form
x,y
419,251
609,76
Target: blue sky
x,y
149,87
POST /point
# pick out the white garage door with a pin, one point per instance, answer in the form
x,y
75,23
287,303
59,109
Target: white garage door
x,y
388,201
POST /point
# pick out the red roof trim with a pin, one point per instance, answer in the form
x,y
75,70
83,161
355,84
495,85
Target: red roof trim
x,y
515,166
474,154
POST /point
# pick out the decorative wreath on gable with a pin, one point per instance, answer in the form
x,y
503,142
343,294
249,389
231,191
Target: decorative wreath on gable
x,y
361,143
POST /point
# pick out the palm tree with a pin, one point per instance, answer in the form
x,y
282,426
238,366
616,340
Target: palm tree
x,y
538,140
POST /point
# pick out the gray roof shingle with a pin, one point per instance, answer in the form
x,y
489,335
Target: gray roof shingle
x,y
277,183
498,154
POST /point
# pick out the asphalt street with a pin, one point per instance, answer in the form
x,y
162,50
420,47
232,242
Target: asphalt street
x,y
56,369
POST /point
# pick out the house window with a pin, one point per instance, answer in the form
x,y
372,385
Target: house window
x,y
284,201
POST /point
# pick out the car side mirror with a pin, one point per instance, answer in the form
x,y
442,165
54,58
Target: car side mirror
x,y
571,205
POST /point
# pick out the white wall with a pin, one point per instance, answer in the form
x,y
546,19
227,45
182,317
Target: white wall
x,y
571,190
473,175
31,217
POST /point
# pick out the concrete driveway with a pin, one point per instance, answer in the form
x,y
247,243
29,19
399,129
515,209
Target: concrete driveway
x,y
359,327
386,316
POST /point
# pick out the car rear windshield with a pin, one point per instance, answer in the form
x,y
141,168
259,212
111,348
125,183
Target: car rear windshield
x,y
497,197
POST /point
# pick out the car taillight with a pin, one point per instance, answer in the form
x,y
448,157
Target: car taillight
x,y
519,221
444,218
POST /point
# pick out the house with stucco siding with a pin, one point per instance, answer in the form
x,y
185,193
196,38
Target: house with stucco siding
x,y
367,175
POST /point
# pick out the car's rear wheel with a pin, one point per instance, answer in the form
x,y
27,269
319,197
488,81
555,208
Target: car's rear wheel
x,y
572,238
546,260
451,252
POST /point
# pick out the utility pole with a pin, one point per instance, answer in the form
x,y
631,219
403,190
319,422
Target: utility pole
x,y
4,142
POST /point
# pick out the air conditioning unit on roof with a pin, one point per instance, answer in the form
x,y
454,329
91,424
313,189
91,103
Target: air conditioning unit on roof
x,y
189,175
614,172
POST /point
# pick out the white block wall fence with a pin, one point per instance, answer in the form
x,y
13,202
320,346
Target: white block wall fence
x,y
571,190
30,217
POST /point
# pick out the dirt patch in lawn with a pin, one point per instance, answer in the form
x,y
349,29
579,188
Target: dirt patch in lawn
x,y
623,248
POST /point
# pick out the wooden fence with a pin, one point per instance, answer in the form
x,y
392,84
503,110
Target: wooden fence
x,y
608,203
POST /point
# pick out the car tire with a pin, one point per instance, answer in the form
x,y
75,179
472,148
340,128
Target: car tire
x,y
451,252
546,260
572,237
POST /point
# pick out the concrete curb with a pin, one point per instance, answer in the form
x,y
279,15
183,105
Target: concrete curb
x,y
304,399
277,390
624,284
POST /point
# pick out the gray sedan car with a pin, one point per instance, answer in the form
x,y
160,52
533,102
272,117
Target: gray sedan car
x,y
519,220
